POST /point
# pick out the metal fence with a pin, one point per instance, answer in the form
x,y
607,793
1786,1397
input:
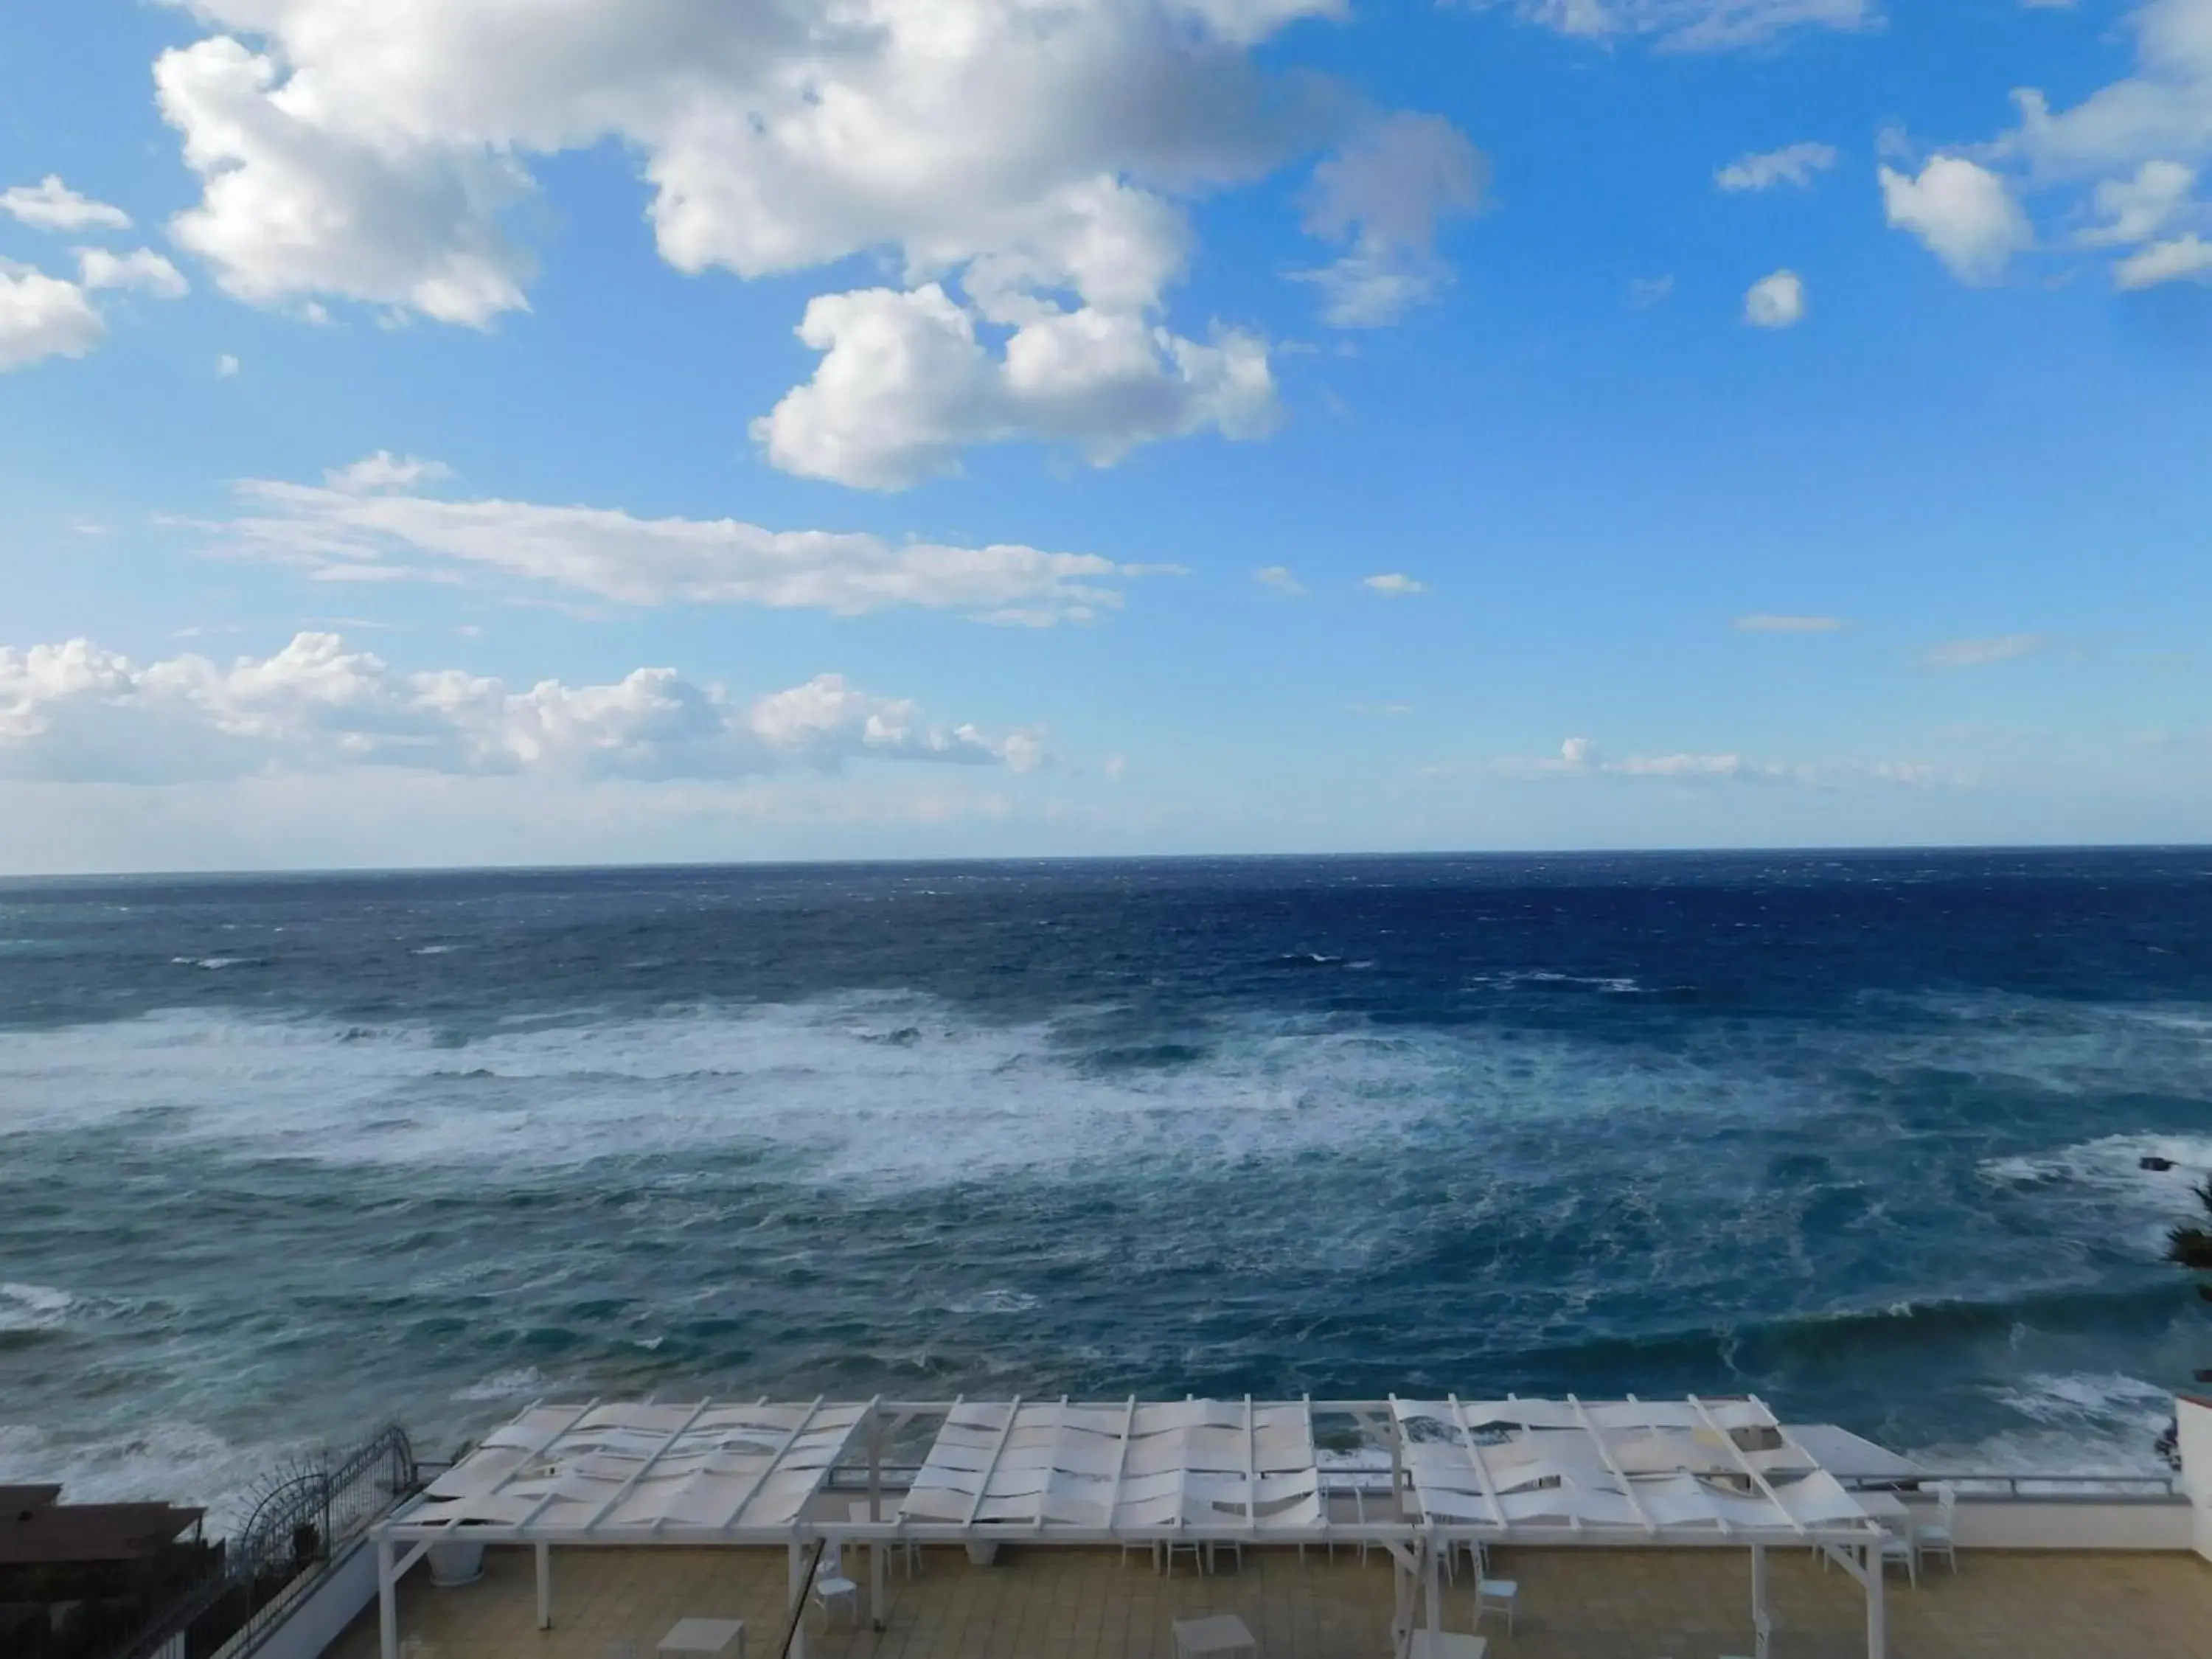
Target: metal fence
x,y
300,1528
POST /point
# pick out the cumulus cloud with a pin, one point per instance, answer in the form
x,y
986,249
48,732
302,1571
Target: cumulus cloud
x,y
1776,301
1279,577
74,713
226,367
43,316
50,204
1385,193
46,316
1027,168
1793,164
1980,653
1965,213
1693,25
369,522
1393,584
1766,622
142,269
2126,157
906,384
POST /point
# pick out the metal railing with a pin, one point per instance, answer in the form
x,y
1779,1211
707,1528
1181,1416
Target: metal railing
x,y
298,1530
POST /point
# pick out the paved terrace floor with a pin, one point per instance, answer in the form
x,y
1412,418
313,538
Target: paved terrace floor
x,y
1064,1603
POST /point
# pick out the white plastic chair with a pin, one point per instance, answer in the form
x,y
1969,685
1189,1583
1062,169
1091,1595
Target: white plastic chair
x,y
1941,1539
1496,1595
1170,1545
909,1552
831,1586
1898,1547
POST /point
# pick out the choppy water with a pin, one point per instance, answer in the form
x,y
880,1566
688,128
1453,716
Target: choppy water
x,y
282,1156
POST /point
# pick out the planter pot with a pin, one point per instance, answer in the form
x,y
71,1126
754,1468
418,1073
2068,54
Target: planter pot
x,y
983,1554
456,1564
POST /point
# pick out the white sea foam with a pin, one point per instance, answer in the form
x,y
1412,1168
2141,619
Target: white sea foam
x,y
183,1462
2077,1423
995,1300
505,1385
32,1307
2110,1171
893,1088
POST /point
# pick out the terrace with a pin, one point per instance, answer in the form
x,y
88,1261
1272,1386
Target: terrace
x,y
1647,1528
1086,1603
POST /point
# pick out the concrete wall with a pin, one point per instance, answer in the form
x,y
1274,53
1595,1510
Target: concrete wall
x,y
2193,1433
2063,1523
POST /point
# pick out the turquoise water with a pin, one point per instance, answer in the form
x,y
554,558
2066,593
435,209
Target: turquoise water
x,y
1864,1135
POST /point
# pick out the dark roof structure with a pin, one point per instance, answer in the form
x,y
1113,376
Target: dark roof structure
x,y
37,1529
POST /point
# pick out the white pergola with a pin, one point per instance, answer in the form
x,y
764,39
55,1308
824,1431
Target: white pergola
x,y
1617,1473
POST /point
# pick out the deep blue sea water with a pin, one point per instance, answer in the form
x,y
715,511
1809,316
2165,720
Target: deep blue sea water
x,y
283,1156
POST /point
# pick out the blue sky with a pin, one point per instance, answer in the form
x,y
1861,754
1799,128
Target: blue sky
x,y
454,431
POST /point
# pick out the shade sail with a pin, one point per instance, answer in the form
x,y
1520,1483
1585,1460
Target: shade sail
x,y
722,1467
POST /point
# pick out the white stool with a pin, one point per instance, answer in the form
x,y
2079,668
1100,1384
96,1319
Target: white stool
x,y
711,1636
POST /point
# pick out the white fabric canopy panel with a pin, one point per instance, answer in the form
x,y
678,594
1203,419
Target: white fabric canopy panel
x,y
560,1472
1131,1469
1619,1470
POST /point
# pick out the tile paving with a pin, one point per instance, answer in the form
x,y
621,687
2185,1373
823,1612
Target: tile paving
x,y
1065,1603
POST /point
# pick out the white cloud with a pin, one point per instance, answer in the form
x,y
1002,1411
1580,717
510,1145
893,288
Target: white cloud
x,y
384,471
1965,213
1694,25
1393,584
1765,623
2134,144
74,713
905,385
1793,164
1580,758
1385,193
50,204
43,316
2183,259
1980,653
2163,110
368,523
141,269
1279,577
295,203
1645,292
226,367
1026,166
2136,208
1776,300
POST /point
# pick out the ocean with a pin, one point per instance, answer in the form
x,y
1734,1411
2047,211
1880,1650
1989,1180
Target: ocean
x,y
284,1156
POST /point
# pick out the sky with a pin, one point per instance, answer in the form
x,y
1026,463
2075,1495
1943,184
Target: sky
x,y
454,432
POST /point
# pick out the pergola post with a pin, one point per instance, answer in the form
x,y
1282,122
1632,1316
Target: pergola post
x,y
1759,1599
545,1587
1877,1634
797,1596
387,1599
879,1561
1435,1585
875,1462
